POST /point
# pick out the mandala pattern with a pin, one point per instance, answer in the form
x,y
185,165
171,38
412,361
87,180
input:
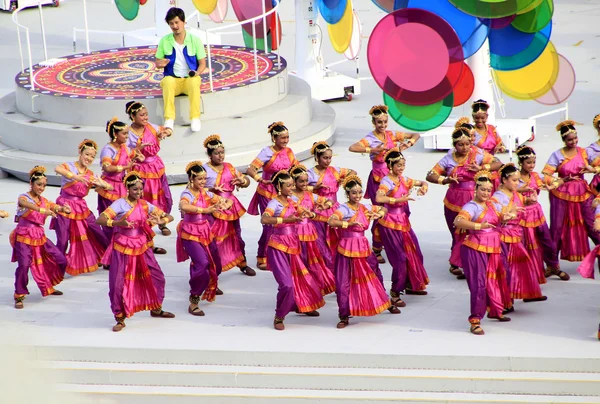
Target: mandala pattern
x,y
129,73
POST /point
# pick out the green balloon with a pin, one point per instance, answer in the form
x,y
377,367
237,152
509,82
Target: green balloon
x,y
421,118
536,19
419,113
128,8
260,42
492,8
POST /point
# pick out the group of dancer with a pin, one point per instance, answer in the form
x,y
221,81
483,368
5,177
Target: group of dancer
x,y
313,244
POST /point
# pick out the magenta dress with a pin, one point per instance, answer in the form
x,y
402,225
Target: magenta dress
x,y
571,212
586,268
135,282
226,225
331,178
358,280
270,161
459,194
522,273
298,289
536,234
152,169
489,141
195,241
109,156
593,152
314,250
482,262
32,250
78,230
399,239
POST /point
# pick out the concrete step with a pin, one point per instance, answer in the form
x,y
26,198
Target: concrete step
x,y
421,380
220,395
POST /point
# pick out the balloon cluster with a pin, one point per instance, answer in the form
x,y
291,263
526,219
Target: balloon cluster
x,y
129,8
417,55
343,26
216,9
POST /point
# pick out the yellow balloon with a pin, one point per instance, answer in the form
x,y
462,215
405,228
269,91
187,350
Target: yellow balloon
x,y
205,6
340,33
533,80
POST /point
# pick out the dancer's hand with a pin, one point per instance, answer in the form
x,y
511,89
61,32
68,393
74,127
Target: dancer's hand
x,y
474,167
356,224
453,179
486,225
66,209
126,223
423,190
81,178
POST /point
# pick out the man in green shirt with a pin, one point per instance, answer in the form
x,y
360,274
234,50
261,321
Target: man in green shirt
x,y
183,58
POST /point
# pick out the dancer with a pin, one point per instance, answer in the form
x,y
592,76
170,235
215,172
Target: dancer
x,y
315,252
145,138
115,159
271,159
222,178
358,280
78,228
399,239
593,152
31,249
195,238
183,58
135,282
376,144
324,180
481,254
571,212
457,170
522,272
536,234
297,288
486,136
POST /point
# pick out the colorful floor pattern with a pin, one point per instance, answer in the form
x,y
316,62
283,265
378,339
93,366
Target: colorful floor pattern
x,y
128,73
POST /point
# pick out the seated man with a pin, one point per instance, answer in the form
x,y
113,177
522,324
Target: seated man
x,y
183,58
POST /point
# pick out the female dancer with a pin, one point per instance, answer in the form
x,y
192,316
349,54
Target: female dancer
x,y
457,169
399,239
135,282
486,137
324,180
297,287
571,212
78,228
315,253
116,159
145,137
536,233
481,254
522,273
358,280
195,239
376,144
593,152
222,178
271,159
31,249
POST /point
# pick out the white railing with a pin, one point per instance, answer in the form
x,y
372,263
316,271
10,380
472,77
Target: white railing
x,y
252,21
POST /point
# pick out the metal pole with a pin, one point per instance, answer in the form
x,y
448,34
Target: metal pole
x,y
43,30
264,20
30,61
20,45
255,50
277,28
85,21
210,76
74,40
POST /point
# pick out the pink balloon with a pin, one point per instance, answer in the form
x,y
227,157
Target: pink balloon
x,y
564,85
220,11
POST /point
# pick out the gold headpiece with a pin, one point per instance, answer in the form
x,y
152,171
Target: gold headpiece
x,y
462,121
273,125
394,160
524,156
383,109
87,144
596,121
210,139
129,182
504,166
39,170
313,149
299,167
483,174
111,123
480,106
561,125
279,180
193,164
130,110
349,179
463,136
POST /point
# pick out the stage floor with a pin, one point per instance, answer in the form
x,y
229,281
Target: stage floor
x,y
130,73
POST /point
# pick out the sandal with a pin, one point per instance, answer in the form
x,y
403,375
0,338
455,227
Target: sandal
x,y
396,300
278,324
536,299
415,292
196,311
164,230
56,293
344,321
556,271
19,302
476,328
161,313
456,271
313,313
379,257
509,310
219,292
262,266
120,324
502,319
248,271
106,267
394,310
159,250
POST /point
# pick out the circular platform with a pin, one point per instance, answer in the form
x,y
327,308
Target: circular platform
x,y
128,73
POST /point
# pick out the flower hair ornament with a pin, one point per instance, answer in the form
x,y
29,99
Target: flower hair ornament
x,y
272,127
464,135
87,144
378,110
322,147
524,156
505,166
462,121
131,110
192,164
483,177
480,107
596,121
348,180
132,178
37,172
110,124
566,128
297,170
395,159
212,138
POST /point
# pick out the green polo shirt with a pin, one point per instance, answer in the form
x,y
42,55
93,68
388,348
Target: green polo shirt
x,y
192,43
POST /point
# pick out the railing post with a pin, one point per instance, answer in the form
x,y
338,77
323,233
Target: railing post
x,y
43,30
74,40
209,63
255,50
264,19
16,20
85,22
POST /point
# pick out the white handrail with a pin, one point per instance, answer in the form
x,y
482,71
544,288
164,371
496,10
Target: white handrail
x,y
15,18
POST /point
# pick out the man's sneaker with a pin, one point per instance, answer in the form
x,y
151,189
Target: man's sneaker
x,y
169,123
196,125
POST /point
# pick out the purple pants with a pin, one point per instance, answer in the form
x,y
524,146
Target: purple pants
x,y
116,279
393,241
450,215
343,278
475,269
200,265
22,252
62,228
104,203
279,264
266,229
542,233
240,240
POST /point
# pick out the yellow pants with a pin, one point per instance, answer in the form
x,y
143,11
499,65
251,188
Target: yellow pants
x,y
173,86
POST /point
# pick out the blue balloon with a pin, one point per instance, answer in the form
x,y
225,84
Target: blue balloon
x,y
332,10
515,55
471,31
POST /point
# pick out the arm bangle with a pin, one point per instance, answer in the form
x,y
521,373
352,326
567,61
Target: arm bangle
x,y
69,175
477,226
392,201
441,179
344,225
368,150
119,169
109,223
257,177
310,188
487,167
199,210
43,211
279,220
